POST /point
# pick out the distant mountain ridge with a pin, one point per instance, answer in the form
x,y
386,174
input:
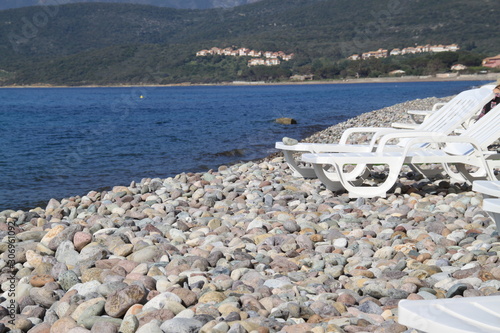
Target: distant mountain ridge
x,y
109,43
182,4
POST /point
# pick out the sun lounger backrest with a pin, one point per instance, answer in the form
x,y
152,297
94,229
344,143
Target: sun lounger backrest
x,y
457,111
489,86
485,131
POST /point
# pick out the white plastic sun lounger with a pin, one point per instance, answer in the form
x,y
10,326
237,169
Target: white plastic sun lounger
x,y
419,116
453,115
491,202
492,206
452,315
424,114
467,149
489,188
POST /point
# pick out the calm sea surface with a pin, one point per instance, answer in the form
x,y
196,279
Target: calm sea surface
x,y
61,142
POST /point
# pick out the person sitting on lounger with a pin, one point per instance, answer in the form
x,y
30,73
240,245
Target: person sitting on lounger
x,y
491,104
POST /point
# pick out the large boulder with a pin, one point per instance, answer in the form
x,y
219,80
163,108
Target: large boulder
x,y
286,121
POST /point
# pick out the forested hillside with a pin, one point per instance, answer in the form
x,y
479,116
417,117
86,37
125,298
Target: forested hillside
x,y
186,4
97,43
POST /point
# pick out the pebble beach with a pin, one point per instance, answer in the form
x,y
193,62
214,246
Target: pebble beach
x,y
246,248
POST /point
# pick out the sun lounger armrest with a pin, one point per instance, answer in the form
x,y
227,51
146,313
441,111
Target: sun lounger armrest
x,y
454,139
378,131
426,112
429,137
404,135
442,140
419,112
405,126
437,106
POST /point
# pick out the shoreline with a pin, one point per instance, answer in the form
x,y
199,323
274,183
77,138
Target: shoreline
x,y
472,77
250,155
381,117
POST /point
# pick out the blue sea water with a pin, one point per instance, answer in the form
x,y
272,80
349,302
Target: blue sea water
x,y
61,142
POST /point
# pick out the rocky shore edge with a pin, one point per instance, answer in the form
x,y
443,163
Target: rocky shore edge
x,y
428,78
245,248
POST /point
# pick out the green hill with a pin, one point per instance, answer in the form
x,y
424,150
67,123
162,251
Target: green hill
x,y
98,43
186,4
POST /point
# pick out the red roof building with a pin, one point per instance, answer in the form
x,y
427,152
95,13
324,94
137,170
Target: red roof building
x,y
492,62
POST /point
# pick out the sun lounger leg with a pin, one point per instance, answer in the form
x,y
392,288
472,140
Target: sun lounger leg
x,y
356,176
298,171
427,173
492,207
463,175
496,218
469,177
329,179
374,191
353,186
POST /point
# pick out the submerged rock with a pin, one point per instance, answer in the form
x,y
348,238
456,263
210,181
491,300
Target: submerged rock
x,y
286,121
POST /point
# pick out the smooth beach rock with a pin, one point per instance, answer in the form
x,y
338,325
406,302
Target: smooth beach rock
x,y
457,289
41,280
104,327
151,327
144,255
63,308
134,310
108,288
119,302
78,330
90,322
347,299
51,233
184,325
40,328
283,265
130,324
87,288
289,141
43,296
68,279
67,254
92,274
43,269
63,325
81,239
123,250
33,311
65,235
93,252
158,302
212,297
18,323
154,315
92,307
33,258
